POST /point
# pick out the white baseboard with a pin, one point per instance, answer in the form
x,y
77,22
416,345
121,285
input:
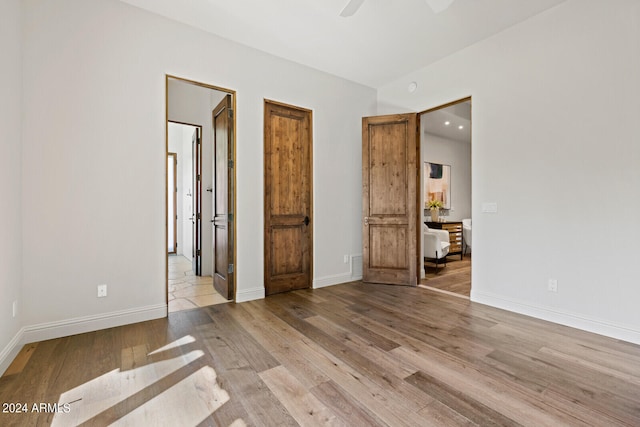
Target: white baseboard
x,y
335,279
250,294
10,351
578,321
77,325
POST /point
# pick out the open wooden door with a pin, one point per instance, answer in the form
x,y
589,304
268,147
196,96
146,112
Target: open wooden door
x,y
223,275
288,222
389,199
196,219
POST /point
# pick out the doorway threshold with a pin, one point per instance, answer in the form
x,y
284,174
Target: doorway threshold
x,y
431,288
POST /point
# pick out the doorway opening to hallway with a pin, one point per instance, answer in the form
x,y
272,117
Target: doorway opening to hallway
x,y
200,194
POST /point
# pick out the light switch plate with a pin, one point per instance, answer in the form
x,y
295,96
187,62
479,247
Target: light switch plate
x,y
491,207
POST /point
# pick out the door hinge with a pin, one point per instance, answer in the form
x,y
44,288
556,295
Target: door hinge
x,y
230,217
230,268
230,113
198,252
198,216
231,164
198,177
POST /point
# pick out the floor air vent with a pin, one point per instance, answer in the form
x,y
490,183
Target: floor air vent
x,y
356,267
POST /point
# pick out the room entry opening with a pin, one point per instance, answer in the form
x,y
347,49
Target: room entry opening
x,y
396,223
201,132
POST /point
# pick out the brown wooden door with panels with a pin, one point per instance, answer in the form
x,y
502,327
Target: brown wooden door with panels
x,y
223,268
288,222
196,219
389,199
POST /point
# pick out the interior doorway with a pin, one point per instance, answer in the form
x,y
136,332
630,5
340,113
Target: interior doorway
x,y
400,163
445,150
191,135
182,217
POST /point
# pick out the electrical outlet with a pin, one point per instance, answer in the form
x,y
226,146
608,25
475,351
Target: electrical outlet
x,y
553,285
102,291
345,259
15,308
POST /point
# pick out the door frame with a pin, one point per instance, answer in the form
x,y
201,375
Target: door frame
x,y
233,94
419,144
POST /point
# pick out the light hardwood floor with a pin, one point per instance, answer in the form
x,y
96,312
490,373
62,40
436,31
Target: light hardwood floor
x,y
455,277
351,354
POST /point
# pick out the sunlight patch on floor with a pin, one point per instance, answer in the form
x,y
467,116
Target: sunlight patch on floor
x,y
187,402
442,291
187,339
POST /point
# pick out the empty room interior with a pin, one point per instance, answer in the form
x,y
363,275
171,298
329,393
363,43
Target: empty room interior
x,y
302,213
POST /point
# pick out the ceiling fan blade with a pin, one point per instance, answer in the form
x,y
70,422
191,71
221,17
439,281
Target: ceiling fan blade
x,y
351,8
439,5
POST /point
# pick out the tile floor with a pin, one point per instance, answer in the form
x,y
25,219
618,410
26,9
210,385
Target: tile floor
x,y
187,290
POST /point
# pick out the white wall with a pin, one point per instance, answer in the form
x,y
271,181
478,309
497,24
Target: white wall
x,y
10,177
94,103
556,101
175,145
457,154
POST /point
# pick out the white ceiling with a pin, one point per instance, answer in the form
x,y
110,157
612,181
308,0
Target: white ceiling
x,y
435,122
381,42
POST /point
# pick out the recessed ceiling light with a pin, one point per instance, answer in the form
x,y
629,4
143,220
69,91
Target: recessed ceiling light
x,y
412,87
447,123
460,127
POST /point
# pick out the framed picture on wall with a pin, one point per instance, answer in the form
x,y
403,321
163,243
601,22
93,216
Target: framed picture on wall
x,y
437,183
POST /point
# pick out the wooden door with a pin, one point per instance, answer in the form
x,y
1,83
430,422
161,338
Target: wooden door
x,y
389,199
196,166
288,236
223,274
